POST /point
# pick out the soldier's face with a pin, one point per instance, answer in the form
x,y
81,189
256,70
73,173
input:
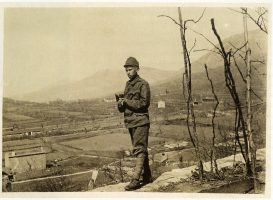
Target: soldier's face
x,y
131,71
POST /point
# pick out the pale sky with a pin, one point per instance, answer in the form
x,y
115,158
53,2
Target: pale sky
x,y
43,46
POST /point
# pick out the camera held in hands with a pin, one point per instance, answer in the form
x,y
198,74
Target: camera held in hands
x,y
119,96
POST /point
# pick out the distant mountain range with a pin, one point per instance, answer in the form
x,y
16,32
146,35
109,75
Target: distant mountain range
x,y
107,82
257,42
200,84
102,83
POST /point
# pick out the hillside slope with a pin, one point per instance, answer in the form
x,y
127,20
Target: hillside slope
x,y
200,84
107,82
102,83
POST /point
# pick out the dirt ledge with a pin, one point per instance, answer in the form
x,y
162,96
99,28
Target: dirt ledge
x,y
176,176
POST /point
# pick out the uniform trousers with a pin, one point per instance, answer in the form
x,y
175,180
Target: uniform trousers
x,y
139,137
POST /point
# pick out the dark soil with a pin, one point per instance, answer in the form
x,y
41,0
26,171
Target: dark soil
x,y
231,180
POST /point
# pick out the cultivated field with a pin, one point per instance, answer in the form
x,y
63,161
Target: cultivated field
x,y
111,142
85,135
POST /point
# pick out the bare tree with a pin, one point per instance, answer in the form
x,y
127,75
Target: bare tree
x,y
187,77
258,17
231,85
248,100
213,150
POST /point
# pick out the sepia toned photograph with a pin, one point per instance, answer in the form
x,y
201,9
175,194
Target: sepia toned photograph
x,y
129,98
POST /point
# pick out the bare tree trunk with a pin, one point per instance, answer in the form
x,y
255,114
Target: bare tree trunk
x,y
187,78
190,110
213,150
250,143
230,84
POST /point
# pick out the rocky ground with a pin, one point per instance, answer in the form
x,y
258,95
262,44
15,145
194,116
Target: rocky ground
x,y
181,180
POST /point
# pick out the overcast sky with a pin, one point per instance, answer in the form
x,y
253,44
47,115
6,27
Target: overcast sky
x,y
43,46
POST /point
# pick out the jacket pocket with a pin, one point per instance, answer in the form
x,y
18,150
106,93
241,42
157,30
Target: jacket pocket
x,y
133,95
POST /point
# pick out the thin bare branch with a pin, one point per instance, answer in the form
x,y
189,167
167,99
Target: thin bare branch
x,y
256,94
192,46
235,10
172,20
257,61
262,26
258,45
263,22
208,50
239,70
261,16
206,39
244,59
195,21
237,49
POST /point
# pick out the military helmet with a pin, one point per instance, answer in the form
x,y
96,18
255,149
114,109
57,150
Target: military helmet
x,y
131,61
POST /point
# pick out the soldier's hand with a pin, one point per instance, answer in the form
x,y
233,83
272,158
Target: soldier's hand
x,y
121,102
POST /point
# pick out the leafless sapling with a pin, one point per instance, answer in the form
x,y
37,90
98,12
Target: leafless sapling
x,y
187,77
213,149
231,86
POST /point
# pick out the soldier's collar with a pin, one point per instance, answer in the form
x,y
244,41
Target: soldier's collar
x,y
133,81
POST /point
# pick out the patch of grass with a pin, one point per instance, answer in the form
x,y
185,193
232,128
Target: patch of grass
x,y
16,117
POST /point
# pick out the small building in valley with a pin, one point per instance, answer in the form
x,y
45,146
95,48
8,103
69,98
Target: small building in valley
x,y
161,104
208,99
23,162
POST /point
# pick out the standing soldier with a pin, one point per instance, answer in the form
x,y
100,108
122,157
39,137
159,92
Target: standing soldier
x,y
134,104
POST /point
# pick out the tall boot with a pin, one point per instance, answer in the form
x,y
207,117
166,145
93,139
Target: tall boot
x,y
136,183
147,175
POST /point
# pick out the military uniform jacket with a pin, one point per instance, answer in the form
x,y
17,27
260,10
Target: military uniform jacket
x,y
137,101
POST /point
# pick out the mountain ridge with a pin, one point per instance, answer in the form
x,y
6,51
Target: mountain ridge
x,y
101,83
108,81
